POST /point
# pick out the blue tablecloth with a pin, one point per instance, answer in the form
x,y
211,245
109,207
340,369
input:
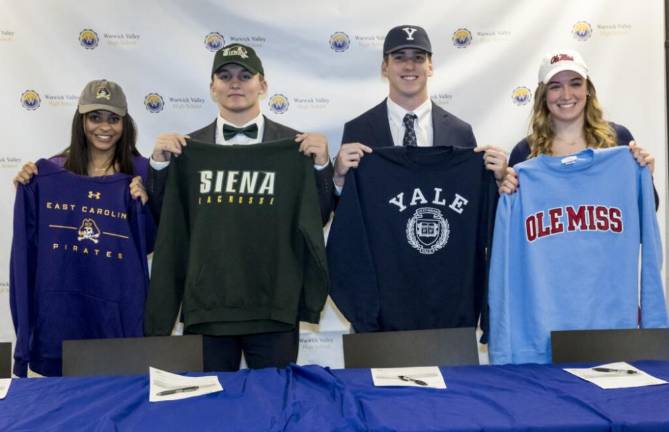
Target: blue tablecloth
x,y
311,398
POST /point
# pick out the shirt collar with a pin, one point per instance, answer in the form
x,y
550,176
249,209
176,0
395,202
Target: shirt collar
x,y
397,113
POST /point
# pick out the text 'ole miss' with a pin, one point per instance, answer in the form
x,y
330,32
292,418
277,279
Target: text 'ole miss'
x,y
573,218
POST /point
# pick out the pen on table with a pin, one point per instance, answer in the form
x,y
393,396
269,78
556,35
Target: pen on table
x,y
604,369
408,378
177,390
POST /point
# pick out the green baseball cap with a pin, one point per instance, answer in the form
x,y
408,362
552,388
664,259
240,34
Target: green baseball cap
x,y
103,95
239,54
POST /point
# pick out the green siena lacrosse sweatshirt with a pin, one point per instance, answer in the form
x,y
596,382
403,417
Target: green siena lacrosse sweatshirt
x,y
240,242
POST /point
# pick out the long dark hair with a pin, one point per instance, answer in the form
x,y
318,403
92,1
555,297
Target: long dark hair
x,y
76,156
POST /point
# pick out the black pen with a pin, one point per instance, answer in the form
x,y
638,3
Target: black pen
x,y
408,378
625,371
177,390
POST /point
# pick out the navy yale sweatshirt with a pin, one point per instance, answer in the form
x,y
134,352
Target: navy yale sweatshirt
x,y
240,242
408,245
78,264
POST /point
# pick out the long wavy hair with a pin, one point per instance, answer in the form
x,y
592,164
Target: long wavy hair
x,y
77,155
598,132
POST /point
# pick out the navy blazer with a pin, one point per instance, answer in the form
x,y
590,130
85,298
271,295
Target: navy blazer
x,y
273,131
373,130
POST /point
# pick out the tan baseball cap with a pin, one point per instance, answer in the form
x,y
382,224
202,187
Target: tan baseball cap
x,y
103,95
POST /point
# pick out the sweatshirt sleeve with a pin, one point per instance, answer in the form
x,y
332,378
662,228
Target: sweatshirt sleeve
x,y
353,283
315,279
22,269
486,227
653,306
499,284
170,260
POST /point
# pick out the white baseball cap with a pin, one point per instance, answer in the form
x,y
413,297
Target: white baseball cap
x,y
559,61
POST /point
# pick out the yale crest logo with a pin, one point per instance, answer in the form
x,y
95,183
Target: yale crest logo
x,y
89,39
278,103
427,230
214,41
462,38
30,100
582,31
521,95
88,230
339,42
154,103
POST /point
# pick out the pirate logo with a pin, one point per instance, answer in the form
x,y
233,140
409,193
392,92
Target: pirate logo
x,y
89,231
103,93
427,230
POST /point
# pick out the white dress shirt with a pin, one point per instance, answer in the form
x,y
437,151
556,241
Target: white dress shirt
x,y
422,125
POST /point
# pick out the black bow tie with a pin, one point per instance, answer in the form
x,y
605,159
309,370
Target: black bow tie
x,y
230,131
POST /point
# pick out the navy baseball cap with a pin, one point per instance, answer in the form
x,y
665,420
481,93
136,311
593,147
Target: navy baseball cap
x,y
407,36
239,54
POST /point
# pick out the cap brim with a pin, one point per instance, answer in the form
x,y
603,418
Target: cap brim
x,y
397,48
567,67
250,69
83,109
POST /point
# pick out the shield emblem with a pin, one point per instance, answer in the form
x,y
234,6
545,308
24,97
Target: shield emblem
x,y
427,230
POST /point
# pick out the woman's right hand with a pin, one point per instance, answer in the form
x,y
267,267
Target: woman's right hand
x,y
168,144
510,182
27,172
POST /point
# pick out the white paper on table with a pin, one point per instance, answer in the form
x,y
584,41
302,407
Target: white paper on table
x,y
613,379
178,386
423,377
4,387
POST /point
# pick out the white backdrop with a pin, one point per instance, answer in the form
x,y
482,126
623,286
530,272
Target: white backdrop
x,y
322,63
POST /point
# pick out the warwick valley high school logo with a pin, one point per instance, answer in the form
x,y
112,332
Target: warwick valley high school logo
x,y
214,41
30,100
89,39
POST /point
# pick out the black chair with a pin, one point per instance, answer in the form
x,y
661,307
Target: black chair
x,y
434,347
605,346
130,356
5,360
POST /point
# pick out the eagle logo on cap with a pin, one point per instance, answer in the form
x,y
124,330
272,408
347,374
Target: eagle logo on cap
x,y
236,51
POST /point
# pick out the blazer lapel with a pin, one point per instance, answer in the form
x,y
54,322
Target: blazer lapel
x,y
439,126
380,127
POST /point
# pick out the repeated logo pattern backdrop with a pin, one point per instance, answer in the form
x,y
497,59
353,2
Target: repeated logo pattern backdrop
x,y
322,63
